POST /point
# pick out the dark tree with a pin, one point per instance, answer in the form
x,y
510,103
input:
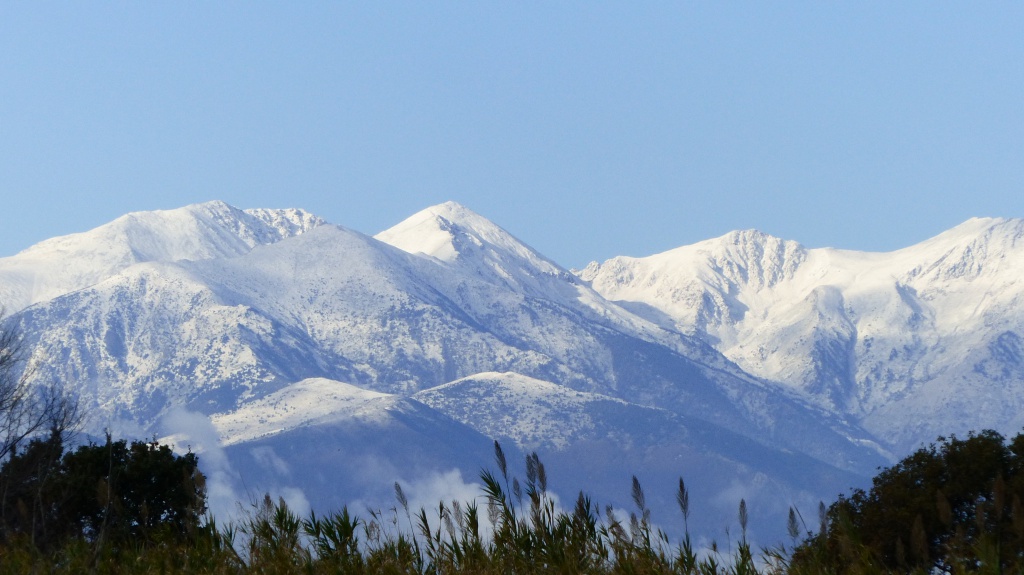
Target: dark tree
x,y
37,419
30,503
950,505
120,492
111,493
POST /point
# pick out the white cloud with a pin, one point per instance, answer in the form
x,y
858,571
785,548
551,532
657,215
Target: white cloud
x,y
267,457
193,431
296,500
428,491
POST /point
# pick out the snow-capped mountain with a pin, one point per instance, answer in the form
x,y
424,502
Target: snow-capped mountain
x,y
272,341
914,343
204,231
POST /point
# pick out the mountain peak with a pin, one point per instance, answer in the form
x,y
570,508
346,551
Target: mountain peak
x,y
989,228
450,230
975,247
453,211
445,231
751,235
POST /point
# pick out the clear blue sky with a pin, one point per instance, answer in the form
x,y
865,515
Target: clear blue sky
x,y
586,129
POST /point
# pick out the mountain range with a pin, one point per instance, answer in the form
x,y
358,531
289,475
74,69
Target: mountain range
x,y
308,360
910,344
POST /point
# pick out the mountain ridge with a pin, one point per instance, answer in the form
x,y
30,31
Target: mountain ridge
x,y
199,231
820,327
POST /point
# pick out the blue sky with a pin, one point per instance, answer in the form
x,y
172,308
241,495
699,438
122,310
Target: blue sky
x,y
586,129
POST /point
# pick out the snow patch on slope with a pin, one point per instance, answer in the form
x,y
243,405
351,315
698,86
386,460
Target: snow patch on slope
x,y
529,411
305,403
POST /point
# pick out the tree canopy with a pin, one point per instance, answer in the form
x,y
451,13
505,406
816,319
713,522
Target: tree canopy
x,y
953,504
114,492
